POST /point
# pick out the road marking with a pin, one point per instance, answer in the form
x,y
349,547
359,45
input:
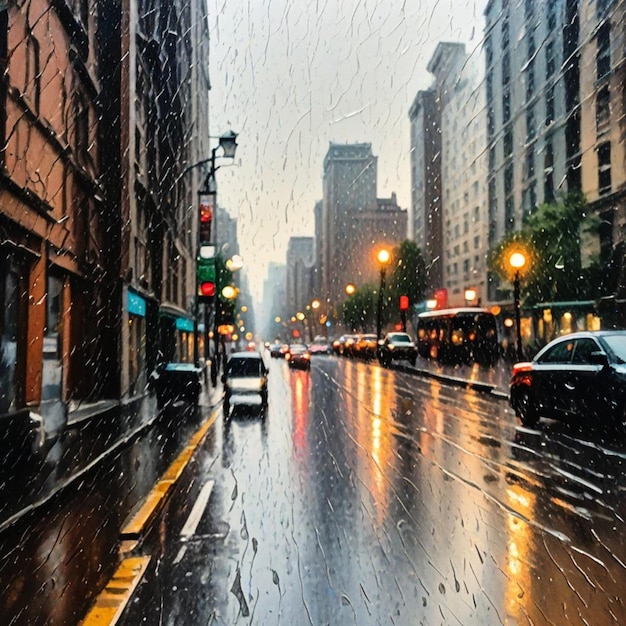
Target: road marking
x,y
141,521
113,599
196,512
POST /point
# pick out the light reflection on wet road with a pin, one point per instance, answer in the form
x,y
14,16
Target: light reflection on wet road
x,y
370,496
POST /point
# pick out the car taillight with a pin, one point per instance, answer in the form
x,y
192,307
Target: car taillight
x,y
522,374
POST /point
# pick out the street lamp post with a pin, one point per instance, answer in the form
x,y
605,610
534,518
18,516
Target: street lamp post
x,y
517,260
383,258
207,245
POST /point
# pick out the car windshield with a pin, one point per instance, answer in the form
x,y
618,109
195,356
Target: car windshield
x,y
399,337
617,344
244,367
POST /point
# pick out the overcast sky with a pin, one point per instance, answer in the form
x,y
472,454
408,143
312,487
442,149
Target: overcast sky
x,y
291,76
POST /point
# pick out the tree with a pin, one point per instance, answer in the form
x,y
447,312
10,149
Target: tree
x,y
551,240
408,276
359,310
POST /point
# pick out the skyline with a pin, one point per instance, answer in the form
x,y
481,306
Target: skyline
x,y
351,74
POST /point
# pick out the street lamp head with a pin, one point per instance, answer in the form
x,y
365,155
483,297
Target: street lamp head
x,y
517,260
315,304
350,289
300,315
228,143
383,256
229,292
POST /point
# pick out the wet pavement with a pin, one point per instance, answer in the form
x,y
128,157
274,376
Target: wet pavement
x,y
373,496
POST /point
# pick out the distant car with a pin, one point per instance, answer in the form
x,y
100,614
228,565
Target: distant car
x,y
581,375
276,351
298,356
320,345
348,345
397,346
338,344
365,346
245,379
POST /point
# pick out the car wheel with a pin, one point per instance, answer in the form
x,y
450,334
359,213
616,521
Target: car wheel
x,y
525,409
226,405
264,398
413,360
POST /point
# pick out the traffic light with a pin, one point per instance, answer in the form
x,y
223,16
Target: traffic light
x,y
205,278
205,220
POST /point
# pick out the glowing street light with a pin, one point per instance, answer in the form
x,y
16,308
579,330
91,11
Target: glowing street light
x,y
383,257
517,260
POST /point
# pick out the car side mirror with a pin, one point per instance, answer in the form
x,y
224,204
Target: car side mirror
x,y
599,358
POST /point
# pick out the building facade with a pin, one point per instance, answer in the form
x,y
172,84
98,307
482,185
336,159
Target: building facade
x,y
464,173
103,106
426,218
300,265
56,272
532,60
354,222
603,124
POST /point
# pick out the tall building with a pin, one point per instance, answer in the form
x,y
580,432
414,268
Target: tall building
x,y
103,106
57,263
156,113
427,228
300,265
532,59
354,223
603,123
274,304
464,172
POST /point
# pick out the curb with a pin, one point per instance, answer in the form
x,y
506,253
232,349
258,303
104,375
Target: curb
x,y
111,602
475,385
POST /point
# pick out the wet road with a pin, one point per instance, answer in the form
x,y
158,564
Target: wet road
x,y
370,496
61,512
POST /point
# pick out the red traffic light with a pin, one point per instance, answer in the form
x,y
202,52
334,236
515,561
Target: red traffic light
x,y
206,213
404,303
207,288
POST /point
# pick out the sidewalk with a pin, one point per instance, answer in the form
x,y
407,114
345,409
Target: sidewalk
x,y
493,380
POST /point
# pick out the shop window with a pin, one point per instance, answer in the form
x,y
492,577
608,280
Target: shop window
x,y
9,303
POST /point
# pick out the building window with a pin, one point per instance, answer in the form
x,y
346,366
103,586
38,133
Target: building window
x,y
32,87
603,59
509,214
531,131
548,173
506,106
9,305
530,81
604,168
508,143
551,16
550,116
506,68
476,242
505,33
550,60
603,109
508,180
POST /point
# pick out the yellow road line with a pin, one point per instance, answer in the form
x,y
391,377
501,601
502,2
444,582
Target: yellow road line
x,y
156,499
115,596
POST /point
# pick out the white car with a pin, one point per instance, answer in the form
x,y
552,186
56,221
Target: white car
x,y
245,379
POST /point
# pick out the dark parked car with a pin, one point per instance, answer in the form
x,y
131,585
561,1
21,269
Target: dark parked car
x,y
582,375
298,356
397,346
245,379
178,381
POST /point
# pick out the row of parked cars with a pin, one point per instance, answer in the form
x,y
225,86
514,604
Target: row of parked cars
x,y
394,347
